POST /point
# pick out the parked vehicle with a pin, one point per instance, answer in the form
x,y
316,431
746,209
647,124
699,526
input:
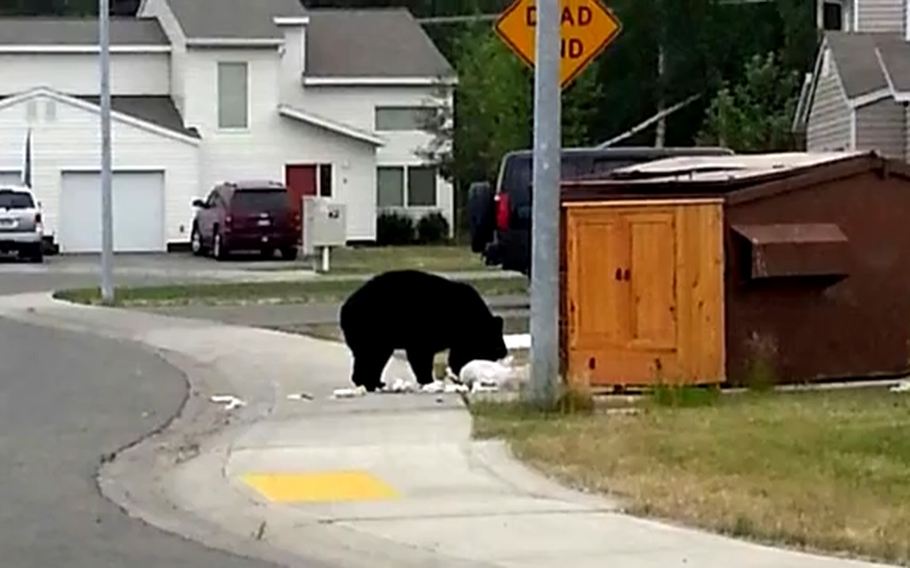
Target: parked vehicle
x,y
500,220
21,226
245,215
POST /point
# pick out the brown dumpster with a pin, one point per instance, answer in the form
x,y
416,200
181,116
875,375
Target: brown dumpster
x,y
695,270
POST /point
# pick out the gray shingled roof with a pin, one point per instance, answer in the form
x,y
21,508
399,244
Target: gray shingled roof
x,y
895,55
158,110
857,64
233,19
383,42
78,31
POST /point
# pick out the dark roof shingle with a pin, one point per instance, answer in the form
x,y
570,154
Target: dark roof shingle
x,y
381,42
895,56
857,64
78,31
158,110
233,19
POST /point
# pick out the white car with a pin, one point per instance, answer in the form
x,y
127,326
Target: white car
x,y
21,227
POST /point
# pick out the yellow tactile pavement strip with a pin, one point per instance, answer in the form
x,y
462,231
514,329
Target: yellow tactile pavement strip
x,y
319,487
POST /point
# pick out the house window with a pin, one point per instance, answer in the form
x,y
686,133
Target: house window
x,y
31,110
403,118
837,15
411,186
325,180
421,186
233,99
390,186
50,110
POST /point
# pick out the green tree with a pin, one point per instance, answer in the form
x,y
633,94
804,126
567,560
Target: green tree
x,y
754,115
493,109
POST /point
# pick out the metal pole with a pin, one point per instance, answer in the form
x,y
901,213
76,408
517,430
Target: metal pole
x,y
107,218
545,204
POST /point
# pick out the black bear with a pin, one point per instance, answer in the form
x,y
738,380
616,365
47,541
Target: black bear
x,y
422,314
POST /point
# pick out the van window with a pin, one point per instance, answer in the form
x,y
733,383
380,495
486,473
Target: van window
x,y
15,200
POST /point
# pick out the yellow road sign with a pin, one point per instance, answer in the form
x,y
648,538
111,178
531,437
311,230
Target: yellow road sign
x,y
587,28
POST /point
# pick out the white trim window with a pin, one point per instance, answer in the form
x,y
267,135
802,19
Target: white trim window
x,y
403,118
233,95
406,186
839,15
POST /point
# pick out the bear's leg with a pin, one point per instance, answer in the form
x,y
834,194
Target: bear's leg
x,y
368,366
421,361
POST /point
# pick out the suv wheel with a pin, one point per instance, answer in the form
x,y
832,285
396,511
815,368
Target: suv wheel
x,y
33,254
196,242
289,253
218,249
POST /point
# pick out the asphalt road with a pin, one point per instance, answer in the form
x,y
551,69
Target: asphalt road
x,y
66,400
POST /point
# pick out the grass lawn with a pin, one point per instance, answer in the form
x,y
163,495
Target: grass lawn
x,y
433,258
281,292
822,470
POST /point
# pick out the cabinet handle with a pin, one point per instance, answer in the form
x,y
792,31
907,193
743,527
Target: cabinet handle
x,y
626,275
619,273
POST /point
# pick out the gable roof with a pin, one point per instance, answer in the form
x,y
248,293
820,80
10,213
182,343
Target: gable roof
x,y
153,113
330,125
894,60
30,30
157,110
858,66
380,42
236,20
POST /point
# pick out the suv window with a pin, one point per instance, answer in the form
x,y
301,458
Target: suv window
x,y
15,199
271,200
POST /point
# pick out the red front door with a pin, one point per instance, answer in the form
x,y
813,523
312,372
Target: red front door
x,y
300,180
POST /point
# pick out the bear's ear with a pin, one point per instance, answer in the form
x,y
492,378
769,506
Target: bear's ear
x,y
497,321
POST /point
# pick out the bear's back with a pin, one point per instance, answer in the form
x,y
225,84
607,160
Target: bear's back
x,y
413,297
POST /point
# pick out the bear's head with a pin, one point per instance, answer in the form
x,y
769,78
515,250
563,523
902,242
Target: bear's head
x,y
485,342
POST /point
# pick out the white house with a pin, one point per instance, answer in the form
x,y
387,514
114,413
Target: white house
x,y
329,101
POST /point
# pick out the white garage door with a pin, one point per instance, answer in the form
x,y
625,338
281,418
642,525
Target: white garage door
x,y
10,178
138,206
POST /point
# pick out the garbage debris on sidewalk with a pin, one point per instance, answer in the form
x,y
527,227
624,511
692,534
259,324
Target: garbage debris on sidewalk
x,y
903,386
230,401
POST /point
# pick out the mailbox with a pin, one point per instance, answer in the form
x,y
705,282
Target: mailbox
x,y
324,224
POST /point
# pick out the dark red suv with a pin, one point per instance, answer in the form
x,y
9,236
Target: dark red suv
x,y
246,215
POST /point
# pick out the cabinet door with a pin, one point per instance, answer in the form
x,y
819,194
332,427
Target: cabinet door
x,y
598,258
652,285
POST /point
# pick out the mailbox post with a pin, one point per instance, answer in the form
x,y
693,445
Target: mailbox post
x,y
324,227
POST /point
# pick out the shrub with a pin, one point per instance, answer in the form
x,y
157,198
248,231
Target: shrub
x,y
433,228
393,228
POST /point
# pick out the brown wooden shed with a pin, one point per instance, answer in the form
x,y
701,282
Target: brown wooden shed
x,y
695,270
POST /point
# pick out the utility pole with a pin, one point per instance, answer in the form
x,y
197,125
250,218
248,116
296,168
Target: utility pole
x,y
545,204
107,217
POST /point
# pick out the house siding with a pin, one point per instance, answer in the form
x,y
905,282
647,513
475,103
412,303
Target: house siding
x,y
77,73
273,141
356,106
881,126
880,15
72,142
828,127
160,10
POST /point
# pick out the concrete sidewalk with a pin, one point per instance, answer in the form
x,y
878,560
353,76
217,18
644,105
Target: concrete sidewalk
x,y
383,480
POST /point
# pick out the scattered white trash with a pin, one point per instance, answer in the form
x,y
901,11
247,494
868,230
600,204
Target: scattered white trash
x,y
517,341
349,393
230,401
903,386
300,396
489,376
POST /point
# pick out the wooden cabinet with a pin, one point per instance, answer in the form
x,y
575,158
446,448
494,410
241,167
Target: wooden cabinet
x,y
644,292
